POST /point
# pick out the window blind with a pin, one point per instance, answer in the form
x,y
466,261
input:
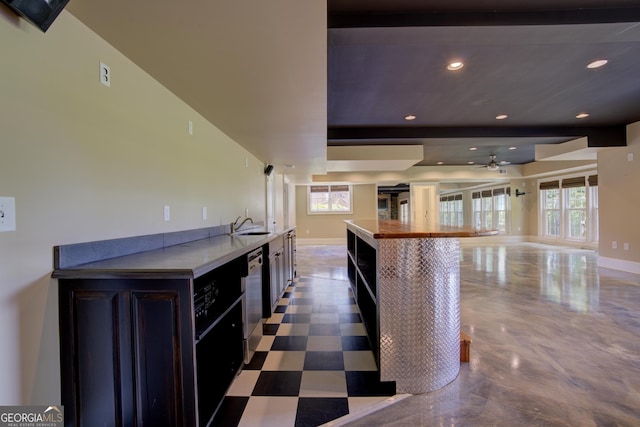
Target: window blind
x,y
549,185
573,182
593,180
319,189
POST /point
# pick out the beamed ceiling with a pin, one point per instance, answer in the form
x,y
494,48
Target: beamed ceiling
x,y
288,79
524,59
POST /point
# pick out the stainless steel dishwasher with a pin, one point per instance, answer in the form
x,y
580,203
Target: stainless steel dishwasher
x,y
252,304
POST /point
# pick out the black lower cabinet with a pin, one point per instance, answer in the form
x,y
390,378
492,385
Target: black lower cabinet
x,y
219,359
127,352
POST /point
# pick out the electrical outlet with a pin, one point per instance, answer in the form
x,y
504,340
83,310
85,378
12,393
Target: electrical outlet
x,y
190,127
7,214
204,213
246,212
625,246
614,245
105,74
630,157
167,213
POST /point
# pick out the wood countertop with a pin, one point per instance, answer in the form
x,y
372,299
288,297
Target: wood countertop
x,y
396,229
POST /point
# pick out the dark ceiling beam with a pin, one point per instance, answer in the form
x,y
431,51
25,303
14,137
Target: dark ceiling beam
x,y
598,136
485,18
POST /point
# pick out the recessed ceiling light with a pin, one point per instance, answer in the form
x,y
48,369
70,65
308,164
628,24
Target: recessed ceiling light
x,y
512,148
473,148
455,66
501,117
597,63
410,117
440,163
290,166
471,163
582,116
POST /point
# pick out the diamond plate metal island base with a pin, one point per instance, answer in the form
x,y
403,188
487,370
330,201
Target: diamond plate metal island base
x,y
406,279
419,309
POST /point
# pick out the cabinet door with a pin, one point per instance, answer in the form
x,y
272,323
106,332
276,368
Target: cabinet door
x,y
126,350
161,355
92,336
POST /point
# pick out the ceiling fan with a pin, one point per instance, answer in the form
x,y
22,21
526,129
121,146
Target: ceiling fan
x,y
493,165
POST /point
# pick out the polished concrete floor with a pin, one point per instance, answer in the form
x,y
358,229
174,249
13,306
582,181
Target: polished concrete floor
x,y
555,341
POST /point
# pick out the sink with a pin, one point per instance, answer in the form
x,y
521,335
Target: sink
x,y
255,233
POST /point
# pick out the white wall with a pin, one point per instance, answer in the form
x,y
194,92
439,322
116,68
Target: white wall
x,y
86,162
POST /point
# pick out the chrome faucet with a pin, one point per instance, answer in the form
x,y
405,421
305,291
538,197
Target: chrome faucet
x,y
234,225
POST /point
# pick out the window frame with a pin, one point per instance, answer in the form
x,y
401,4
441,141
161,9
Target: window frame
x,y
588,181
452,210
330,211
485,208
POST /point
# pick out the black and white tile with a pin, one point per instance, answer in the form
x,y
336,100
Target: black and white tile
x,y
313,365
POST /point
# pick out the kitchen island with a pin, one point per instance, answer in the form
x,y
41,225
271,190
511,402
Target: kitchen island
x,y
406,280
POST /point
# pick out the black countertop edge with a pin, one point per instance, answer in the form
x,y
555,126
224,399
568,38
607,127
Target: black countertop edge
x,y
79,273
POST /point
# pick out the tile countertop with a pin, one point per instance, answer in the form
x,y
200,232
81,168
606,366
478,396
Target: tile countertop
x,y
396,229
186,260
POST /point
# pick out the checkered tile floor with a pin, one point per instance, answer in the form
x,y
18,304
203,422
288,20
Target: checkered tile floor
x,y
313,365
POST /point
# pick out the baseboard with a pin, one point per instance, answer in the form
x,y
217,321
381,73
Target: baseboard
x,y
471,240
565,243
321,241
495,239
619,264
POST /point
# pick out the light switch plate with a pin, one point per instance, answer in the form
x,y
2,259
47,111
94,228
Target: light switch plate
x,y
7,214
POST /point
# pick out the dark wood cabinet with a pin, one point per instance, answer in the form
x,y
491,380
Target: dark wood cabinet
x,y
127,352
361,269
151,327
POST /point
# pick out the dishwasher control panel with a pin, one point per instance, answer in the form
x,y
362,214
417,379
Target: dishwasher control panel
x,y
254,260
204,299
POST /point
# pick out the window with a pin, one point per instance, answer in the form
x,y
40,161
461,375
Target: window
x,y
491,209
575,211
329,199
550,202
451,212
477,209
569,209
487,210
458,207
500,208
593,209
